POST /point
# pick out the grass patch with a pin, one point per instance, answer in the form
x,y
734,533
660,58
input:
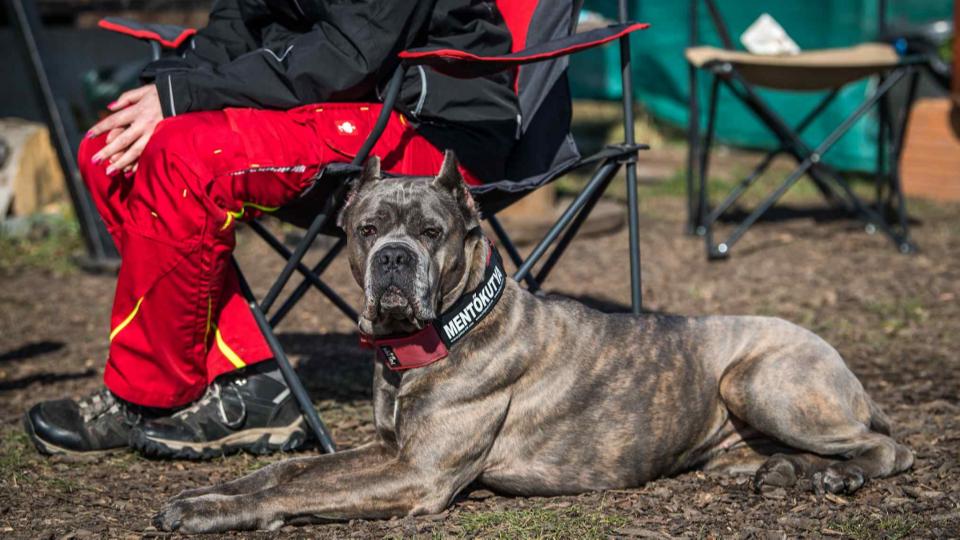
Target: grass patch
x,y
899,314
19,466
890,527
14,451
546,523
45,242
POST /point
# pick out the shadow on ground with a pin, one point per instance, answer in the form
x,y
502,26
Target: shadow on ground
x,y
332,365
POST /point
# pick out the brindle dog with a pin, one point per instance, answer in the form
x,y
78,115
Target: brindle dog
x,y
546,396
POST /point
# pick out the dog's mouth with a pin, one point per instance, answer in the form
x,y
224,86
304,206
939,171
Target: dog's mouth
x,y
393,310
395,304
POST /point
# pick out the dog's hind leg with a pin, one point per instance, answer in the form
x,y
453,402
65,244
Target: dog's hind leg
x,y
796,389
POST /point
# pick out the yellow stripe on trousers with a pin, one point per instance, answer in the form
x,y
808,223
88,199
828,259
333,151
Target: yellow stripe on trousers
x,y
243,208
127,321
227,351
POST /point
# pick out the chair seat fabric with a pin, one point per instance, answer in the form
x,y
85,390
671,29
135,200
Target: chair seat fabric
x,y
811,70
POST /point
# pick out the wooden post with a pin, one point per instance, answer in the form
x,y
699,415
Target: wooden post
x,y
30,177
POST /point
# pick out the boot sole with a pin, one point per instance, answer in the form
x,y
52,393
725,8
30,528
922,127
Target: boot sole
x,y
257,441
49,449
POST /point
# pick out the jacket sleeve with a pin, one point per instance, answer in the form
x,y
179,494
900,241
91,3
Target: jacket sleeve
x,y
340,58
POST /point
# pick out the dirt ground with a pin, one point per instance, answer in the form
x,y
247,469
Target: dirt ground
x,y
895,318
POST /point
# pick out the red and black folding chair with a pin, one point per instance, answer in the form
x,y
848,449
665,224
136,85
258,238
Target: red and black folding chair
x,y
543,36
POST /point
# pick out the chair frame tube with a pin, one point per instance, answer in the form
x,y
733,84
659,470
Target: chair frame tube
x,y
633,222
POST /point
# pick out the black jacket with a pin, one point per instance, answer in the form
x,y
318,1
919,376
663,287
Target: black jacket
x,y
280,54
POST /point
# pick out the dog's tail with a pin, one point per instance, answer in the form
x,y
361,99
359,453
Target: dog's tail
x,y
879,421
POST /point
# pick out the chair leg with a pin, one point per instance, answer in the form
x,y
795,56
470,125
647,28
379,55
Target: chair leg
x,y
532,284
881,177
289,375
310,276
629,137
568,214
693,140
704,225
582,215
305,285
905,245
294,261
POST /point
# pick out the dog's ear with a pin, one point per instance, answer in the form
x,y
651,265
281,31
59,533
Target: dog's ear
x,y
449,179
370,173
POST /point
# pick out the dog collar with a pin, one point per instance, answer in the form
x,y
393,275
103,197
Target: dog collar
x,y
433,343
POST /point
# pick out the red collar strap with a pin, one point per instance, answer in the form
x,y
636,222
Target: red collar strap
x,y
435,340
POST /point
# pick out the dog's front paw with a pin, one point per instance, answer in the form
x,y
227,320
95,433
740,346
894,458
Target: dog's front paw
x,y
198,515
209,513
169,518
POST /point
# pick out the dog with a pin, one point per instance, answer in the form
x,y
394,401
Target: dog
x,y
479,380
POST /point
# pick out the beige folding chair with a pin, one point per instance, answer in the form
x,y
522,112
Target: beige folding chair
x,y
816,70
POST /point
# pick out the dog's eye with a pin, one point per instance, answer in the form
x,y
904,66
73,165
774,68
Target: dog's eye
x,y
432,233
368,230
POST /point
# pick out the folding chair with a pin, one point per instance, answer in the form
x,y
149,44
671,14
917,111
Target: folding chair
x,y
827,70
543,36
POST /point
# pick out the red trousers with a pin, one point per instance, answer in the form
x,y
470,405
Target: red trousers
x,y
178,317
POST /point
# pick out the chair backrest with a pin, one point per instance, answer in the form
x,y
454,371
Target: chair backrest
x,y
542,89
532,22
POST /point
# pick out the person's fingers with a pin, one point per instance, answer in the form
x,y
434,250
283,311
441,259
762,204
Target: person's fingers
x,y
130,156
112,135
128,97
115,120
119,144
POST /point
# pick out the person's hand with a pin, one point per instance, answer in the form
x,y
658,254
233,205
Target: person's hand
x,y
135,115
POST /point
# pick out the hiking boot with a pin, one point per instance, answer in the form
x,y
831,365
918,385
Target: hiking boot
x,y
252,411
97,423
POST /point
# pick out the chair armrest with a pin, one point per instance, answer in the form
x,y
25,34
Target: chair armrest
x,y
167,35
463,64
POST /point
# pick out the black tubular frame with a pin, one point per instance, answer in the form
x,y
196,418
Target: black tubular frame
x,y
887,214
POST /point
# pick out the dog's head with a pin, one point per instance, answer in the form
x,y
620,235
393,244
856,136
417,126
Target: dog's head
x,y
411,241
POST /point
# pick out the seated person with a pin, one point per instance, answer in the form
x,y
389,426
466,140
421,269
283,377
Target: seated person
x,y
240,124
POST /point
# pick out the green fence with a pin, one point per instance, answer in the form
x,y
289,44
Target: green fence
x,y
660,70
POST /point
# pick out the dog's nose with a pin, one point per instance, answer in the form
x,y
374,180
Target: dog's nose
x,y
394,258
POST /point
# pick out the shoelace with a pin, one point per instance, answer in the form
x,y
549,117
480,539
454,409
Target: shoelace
x,y
98,404
214,392
103,402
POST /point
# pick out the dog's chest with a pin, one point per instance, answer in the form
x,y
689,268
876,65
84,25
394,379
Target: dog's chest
x,y
386,408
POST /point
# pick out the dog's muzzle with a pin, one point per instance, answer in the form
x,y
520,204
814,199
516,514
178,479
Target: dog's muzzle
x,y
394,268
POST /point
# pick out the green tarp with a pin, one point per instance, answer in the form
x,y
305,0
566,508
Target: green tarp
x,y
660,70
